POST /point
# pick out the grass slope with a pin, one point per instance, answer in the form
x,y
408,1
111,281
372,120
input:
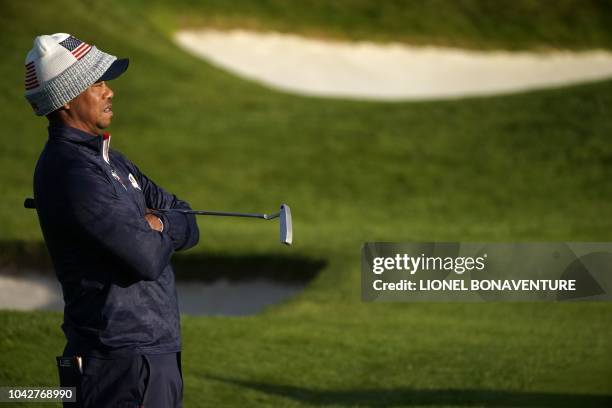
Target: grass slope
x,y
516,24
533,166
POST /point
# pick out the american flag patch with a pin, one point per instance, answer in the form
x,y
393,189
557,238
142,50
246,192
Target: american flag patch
x,y
77,47
31,81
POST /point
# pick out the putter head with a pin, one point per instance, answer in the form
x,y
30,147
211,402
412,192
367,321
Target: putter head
x,y
286,228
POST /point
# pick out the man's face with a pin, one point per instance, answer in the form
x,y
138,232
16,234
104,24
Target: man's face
x,y
92,109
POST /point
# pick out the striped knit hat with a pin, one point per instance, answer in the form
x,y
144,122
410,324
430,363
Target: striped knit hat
x,y
60,67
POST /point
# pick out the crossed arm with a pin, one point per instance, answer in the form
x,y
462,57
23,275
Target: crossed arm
x,y
136,241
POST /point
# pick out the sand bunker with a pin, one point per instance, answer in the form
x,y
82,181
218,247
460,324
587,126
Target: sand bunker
x,y
388,72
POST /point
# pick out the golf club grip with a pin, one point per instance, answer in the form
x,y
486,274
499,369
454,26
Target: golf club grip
x,y
29,203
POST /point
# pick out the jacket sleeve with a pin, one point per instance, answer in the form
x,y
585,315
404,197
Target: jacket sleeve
x,y
182,228
115,225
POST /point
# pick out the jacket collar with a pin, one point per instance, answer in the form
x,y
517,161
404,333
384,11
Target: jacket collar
x,y
99,144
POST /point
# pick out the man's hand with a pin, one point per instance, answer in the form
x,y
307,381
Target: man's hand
x,y
154,221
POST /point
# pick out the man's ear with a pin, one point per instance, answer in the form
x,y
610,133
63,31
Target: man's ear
x,y
66,106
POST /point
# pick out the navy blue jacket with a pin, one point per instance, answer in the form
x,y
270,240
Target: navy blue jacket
x,y
117,281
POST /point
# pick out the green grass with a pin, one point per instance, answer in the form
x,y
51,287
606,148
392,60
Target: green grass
x,y
517,24
531,167
338,354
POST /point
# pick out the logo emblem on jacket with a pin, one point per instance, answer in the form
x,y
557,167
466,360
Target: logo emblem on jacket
x,y
134,182
116,177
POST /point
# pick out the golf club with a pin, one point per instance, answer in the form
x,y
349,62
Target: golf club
x,y
284,215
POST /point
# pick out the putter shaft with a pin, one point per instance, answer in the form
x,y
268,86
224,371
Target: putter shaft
x,y
220,213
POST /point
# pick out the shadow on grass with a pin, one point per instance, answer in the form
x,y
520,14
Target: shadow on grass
x,y
411,396
279,268
24,254
189,266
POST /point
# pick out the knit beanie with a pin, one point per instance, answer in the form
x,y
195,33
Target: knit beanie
x,y
59,67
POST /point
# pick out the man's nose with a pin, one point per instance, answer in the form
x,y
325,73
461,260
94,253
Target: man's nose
x,y
109,92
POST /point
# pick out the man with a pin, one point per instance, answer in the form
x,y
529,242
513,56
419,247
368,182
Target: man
x,y
110,249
